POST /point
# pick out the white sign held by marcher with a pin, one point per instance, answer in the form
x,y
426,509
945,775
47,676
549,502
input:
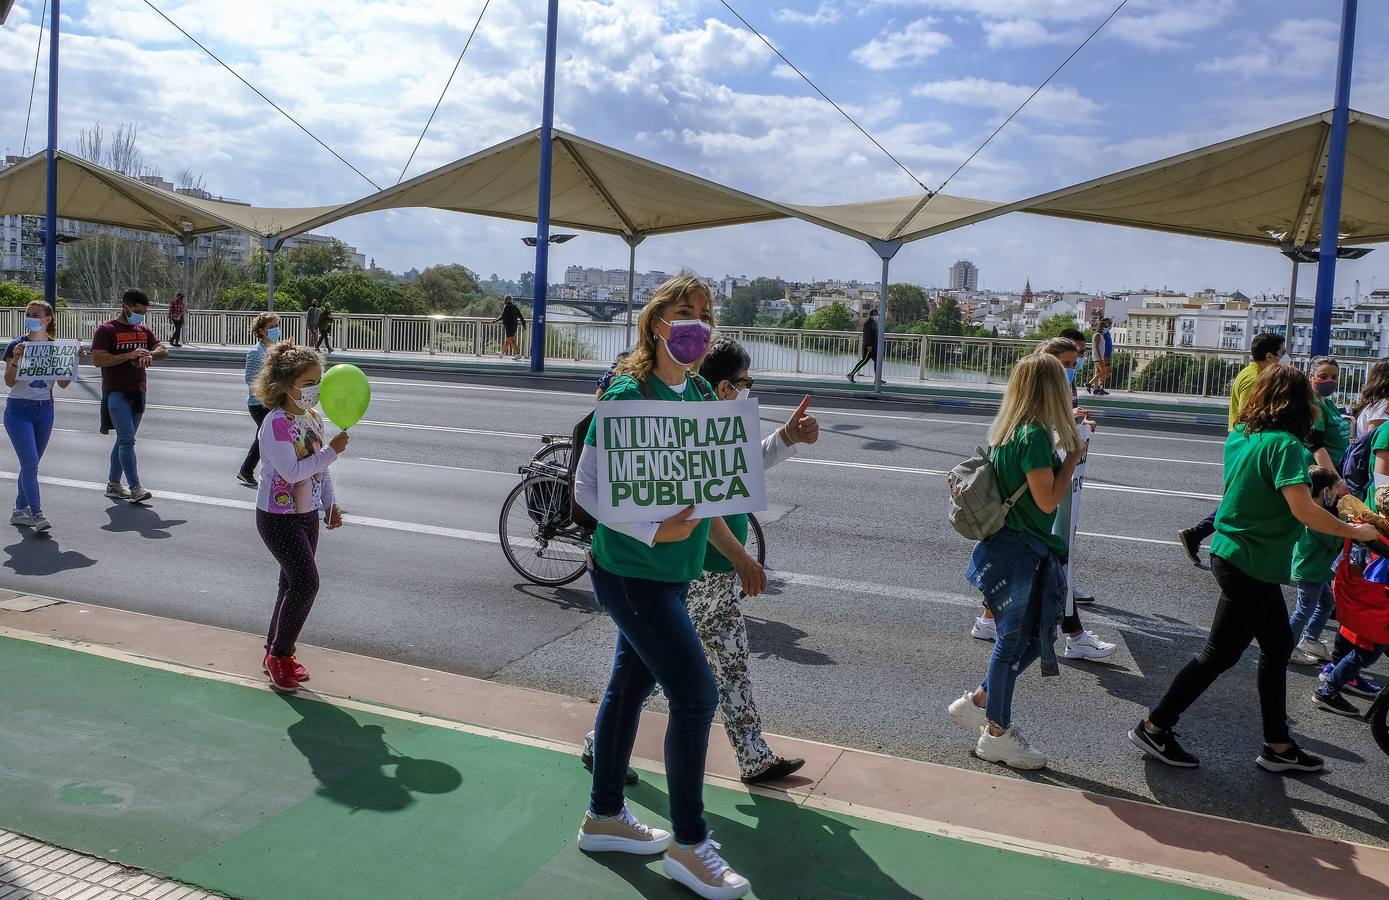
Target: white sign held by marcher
x,y
49,360
656,458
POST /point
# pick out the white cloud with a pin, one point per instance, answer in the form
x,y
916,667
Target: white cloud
x,y
1022,33
1056,103
894,48
1295,48
827,13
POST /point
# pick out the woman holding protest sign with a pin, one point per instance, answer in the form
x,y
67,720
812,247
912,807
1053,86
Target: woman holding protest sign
x,y
29,414
641,575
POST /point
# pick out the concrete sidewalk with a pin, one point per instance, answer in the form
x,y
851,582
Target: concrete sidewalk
x,y
156,744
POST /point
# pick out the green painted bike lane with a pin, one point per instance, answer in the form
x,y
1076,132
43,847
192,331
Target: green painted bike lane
x,y
258,795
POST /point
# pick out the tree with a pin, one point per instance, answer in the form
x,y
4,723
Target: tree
x,y
101,267
906,303
251,295
794,317
1174,373
1052,327
12,294
527,287
312,259
947,320
445,289
747,301
835,317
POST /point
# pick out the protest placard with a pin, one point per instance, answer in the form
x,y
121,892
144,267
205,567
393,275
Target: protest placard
x,y
656,457
49,361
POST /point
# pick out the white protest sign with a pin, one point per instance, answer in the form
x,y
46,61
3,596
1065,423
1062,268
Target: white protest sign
x,y
49,360
657,457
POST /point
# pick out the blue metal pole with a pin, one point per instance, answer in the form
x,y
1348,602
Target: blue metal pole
x,y
540,286
50,246
1331,193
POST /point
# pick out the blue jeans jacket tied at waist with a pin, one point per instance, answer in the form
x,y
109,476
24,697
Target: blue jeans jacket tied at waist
x,y
1005,569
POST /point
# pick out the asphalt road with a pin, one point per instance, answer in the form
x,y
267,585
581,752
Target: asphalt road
x,y
862,641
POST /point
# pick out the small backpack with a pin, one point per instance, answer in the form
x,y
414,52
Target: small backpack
x,y
577,514
1358,464
977,509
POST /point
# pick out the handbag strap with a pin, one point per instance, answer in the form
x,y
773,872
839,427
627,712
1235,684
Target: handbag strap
x,y
1017,495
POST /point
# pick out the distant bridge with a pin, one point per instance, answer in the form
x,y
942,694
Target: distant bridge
x,y
598,310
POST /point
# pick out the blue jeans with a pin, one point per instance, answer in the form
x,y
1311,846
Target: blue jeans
x,y
1314,605
29,423
123,453
1017,647
656,644
1349,667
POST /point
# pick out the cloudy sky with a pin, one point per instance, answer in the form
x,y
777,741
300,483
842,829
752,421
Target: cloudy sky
x,y
681,82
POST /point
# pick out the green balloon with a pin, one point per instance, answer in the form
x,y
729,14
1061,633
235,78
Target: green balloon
x,y
344,395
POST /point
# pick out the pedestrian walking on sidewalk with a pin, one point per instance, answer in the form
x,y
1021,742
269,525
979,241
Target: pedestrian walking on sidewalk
x,y
641,575
1267,494
324,339
296,488
29,414
1330,437
1314,565
1021,569
267,332
1104,359
714,599
1267,350
312,316
511,320
177,310
870,344
124,349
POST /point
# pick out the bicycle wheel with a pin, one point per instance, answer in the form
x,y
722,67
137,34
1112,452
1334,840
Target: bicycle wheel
x,y
535,535
556,454
756,544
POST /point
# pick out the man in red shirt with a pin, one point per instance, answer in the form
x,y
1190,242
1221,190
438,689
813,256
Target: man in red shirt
x,y
176,313
123,349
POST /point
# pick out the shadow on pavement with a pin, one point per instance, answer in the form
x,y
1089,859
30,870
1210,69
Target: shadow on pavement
x,y
147,522
769,639
776,854
40,554
349,760
567,599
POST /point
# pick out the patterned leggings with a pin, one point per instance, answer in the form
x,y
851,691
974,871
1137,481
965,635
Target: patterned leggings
x,y
292,539
713,606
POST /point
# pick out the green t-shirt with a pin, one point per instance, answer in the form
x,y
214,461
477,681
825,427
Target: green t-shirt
x,y
1030,448
1254,529
623,555
1380,442
1332,429
714,561
1241,389
1314,556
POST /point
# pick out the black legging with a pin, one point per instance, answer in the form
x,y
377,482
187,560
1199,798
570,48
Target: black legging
x,y
869,352
325,337
258,412
177,337
1248,610
292,539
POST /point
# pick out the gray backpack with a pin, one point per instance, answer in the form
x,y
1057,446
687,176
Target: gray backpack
x,y
977,509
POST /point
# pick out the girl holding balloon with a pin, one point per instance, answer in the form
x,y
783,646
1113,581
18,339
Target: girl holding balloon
x,y
296,488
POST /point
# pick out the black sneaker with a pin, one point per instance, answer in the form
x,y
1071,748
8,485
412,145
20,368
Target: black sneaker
x,y
1360,686
1334,702
1293,760
1162,746
1191,544
246,479
587,757
779,769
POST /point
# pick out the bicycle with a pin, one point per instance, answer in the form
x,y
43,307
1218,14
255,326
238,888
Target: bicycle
x,y
539,539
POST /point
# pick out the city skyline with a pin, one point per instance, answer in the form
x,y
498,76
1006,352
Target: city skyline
x,y
680,82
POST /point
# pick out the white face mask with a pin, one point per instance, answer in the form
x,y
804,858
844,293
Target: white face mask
x,y
744,393
1285,360
308,397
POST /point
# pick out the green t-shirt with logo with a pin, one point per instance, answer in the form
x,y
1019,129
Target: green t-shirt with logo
x,y
1332,430
1314,556
1255,530
1379,442
1031,448
622,555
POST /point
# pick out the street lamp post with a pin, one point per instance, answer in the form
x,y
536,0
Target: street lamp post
x,y
50,247
1335,177
539,296
542,210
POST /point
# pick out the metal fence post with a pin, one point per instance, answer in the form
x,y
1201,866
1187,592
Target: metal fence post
x,y
386,334
1205,376
800,345
222,329
477,339
989,363
433,335
925,348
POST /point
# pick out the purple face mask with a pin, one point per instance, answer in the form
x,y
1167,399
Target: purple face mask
x,y
688,340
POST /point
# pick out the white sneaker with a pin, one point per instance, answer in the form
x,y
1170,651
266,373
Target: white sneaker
x,y
1009,748
138,494
1315,649
621,834
702,870
22,517
1303,659
965,713
984,628
39,523
116,492
1088,646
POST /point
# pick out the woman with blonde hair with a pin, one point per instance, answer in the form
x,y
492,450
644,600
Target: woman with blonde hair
x,y
641,575
295,489
1021,569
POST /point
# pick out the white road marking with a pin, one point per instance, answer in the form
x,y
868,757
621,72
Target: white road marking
x,y
1089,485
401,462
